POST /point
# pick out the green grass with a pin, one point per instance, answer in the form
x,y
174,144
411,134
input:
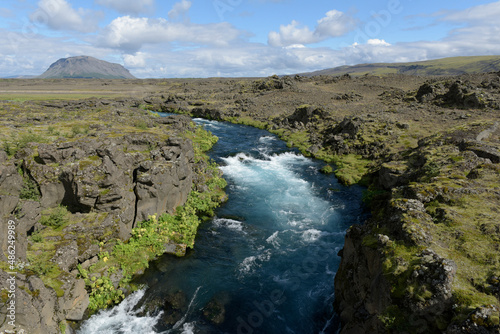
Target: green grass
x,y
55,217
351,169
41,96
247,121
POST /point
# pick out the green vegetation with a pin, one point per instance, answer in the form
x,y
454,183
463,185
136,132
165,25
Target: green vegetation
x,y
43,96
55,217
150,238
19,142
62,327
351,169
142,125
40,264
29,191
445,66
203,141
327,169
103,293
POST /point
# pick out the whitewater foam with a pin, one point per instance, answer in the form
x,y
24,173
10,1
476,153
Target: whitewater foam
x,y
311,235
274,240
251,263
228,223
121,319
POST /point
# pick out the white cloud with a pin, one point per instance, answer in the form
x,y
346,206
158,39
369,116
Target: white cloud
x,y
379,42
292,34
31,54
133,7
334,24
6,13
138,60
130,34
179,9
479,14
295,46
59,15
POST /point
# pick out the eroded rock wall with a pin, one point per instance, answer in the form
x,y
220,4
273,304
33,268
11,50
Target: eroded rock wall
x,y
109,181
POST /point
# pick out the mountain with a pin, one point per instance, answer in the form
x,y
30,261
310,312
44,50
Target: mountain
x,y
85,67
444,66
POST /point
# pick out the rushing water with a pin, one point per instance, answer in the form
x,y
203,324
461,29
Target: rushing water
x,y
269,257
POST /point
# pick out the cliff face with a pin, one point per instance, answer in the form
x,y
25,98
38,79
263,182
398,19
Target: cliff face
x,y
427,261
67,198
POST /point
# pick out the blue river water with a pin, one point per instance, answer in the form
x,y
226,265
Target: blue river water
x,y
269,257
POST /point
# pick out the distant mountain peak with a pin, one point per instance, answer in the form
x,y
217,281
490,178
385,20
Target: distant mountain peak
x,y
85,67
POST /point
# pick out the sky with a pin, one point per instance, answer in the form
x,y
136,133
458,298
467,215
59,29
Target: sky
x,y
235,38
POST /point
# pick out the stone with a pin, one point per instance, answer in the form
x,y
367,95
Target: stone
x,y
11,182
36,307
215,310
67,256
3,157
392,174
481,149
76,301
52,194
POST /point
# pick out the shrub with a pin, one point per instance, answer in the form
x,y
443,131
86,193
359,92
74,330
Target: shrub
x,y
55,217
141,125
29,191
327,169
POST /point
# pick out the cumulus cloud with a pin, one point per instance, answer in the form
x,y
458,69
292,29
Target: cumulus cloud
x,y
59,15
137,60
292,34
128,7
379,42
130,34
179,9
334,24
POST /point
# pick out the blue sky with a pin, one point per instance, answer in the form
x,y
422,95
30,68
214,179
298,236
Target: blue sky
x,y
207,38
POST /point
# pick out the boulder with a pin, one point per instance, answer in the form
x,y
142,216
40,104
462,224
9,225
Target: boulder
x,y
305,114
392,174
75,300
350,126
481,149
66,257
37,311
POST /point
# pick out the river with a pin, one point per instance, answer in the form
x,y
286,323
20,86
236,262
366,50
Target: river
x,y
269,257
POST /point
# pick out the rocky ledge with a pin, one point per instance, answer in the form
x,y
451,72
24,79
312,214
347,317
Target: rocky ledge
x,y
75,182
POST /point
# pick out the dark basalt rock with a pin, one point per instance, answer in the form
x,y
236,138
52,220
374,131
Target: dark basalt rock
x,y
174,307
215,310
108,181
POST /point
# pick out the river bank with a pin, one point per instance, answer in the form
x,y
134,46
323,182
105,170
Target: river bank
x,y
95,192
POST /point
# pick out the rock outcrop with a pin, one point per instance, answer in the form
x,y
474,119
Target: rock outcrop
x,y
105,182
406,270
